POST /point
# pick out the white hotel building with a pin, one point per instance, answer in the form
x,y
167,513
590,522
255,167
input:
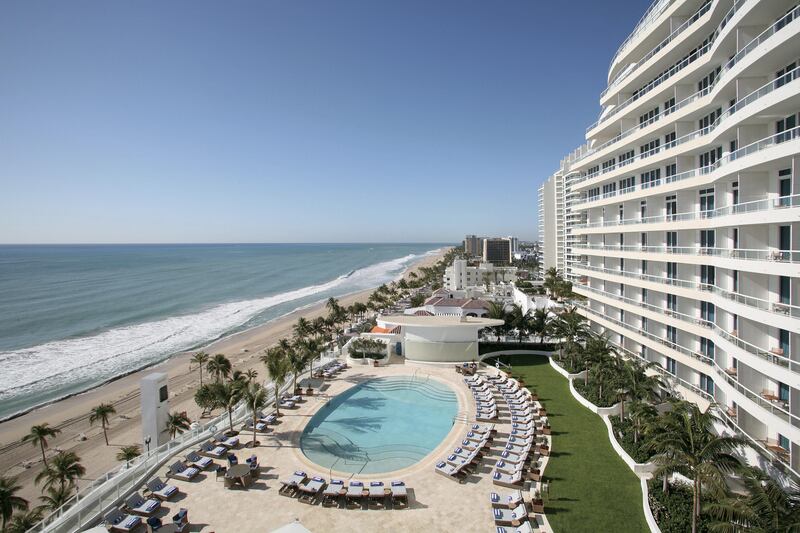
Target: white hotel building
x,y
680,220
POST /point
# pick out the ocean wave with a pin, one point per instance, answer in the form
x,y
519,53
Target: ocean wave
x,y
88,361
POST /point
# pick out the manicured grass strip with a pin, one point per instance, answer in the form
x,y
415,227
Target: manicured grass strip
x,y
592,489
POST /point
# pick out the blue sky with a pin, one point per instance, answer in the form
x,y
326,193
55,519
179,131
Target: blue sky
x,y
292,121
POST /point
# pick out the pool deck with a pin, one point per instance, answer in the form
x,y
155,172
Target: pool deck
x,y
435,502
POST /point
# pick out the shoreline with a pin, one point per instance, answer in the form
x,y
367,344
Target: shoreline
x,y
70,414
208,345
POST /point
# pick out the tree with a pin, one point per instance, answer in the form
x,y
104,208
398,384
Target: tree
x,y
102,413
9,501
309,349
571,328
551,279
294,358
128,453
642,414
38,436
302,327
177,423
519,320
251,374
219,366
278,368
228,395
64,469
206,399
200,359
540,324
56,497
766,507
254,397
25,521
332,305
688,445
497,311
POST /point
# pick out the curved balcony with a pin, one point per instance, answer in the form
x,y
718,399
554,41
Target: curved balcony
x,y
764,254
779,309
737,106
773,408
756,206
705,8
757,146
749,47
645,22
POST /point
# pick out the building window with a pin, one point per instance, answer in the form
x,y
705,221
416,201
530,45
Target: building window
x,y
650,148
707,384
651,178
625,158
783,76
709,120
710,158
783,392
785,290
668,105
672,270
706,201
627,183
648,117
783,442
785,128
672,239
735,192
672,207
669,140
672,366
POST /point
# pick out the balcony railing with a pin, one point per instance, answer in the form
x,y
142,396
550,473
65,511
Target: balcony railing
x,y
772,407
768,254
750,301
653,11
766,355
660,46
88,503
756,206
762,91
752,45
763,144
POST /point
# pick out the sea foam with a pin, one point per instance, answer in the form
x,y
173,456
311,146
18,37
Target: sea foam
x,y
79,363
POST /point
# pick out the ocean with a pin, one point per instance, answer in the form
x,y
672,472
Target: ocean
x,y
73,317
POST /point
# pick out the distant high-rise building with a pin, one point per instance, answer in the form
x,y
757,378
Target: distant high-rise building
x,y
497,251
514,244
473,245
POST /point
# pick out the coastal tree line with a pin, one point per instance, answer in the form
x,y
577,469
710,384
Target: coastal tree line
x,y
287,359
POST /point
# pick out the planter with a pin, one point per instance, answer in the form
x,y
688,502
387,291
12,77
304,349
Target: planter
x,y
535,475
538,506
546,430
543,450
309,392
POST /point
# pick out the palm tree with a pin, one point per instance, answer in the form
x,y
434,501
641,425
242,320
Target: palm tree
x,y
302,327
551,279
25,521
597,350
56,497
688,445
9,501
254,397
540,324
295,359
177,423
642,414
128,453
38,436
228,395
519,320
200,359
101,414
278,368
571,328
64,469
219,366
309,350
332,304
766,507
251,374
497,311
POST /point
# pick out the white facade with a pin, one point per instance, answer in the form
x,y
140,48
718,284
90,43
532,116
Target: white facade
x,y
551,222
682,225
460,275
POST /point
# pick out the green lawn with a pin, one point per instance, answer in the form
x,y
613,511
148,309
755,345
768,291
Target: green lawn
x,y
591,489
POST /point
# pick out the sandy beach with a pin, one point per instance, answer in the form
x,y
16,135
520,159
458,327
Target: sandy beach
x,y
71,415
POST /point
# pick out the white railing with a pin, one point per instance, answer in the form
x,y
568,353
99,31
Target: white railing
x,y
762,91
754,147
651,13
755,206
90,502
775,409
660,46
750,301
752,45
760,254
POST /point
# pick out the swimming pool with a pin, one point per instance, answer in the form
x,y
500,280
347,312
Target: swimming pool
x,y
381,425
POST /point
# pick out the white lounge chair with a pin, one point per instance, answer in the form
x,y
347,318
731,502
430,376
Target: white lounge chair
x,y
136,504
309,490
194,459
509,517
161,490
399,494
509,502
178,470
507,480
332,492
450,471
289,486
116,520
524,527
210,449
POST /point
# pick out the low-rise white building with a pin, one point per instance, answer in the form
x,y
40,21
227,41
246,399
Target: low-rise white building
x,y
461,275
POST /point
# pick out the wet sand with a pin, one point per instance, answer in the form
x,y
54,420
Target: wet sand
x,y
71,415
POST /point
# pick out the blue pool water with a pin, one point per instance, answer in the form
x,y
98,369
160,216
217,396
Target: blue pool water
x,y
381,425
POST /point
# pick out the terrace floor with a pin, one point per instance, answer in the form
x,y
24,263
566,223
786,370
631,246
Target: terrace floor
x,y
591,487
436,503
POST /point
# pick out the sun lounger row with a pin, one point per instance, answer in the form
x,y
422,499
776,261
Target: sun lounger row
x,y
465,458
312,489
510,513
137,506
330,370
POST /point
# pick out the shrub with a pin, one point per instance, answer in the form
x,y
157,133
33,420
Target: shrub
x,y
673,511
592,393
623,431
